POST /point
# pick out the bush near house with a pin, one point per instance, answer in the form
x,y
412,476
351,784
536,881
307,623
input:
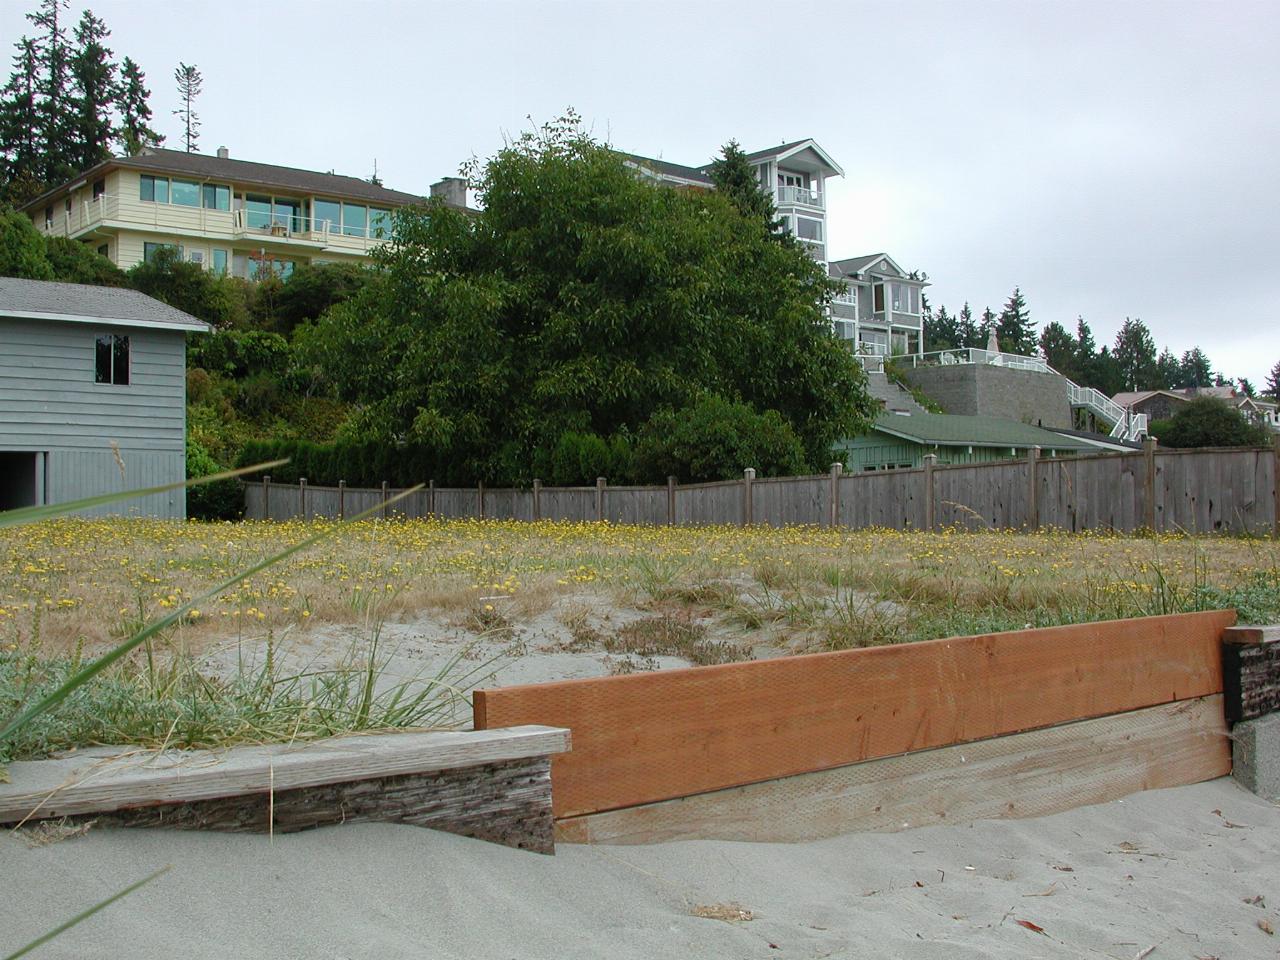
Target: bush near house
x,y
1210,422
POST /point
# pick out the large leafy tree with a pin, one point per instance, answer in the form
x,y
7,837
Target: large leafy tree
x,y
1135,355
1210,422
582,299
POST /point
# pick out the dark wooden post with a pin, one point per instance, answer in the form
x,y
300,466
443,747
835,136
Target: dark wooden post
x,y
1149,483
671,501
748,476
302,495
834,496
480,498
342,499
266,497
1275,485
431,497
384,499
1033,489
930,461
537,499
600,484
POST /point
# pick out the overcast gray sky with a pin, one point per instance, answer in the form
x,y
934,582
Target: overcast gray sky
x,y
1113,159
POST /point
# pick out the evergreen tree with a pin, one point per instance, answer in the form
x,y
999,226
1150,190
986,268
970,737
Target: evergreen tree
x,y
56,118
1273,382
19,126
1196,369
1106,374
967,332
734,176
1246,387
1135,355
189,84
1059,349
941,331
134,133
1168,370
985,326
1016,332
94,93
1086,354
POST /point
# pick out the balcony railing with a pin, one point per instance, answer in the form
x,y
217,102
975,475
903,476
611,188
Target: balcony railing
x,y
800,196
847,294
284,226
961,355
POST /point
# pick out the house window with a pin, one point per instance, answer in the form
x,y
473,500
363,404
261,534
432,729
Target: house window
x,y
99,188
185,193
258,210
48,215
879,298
153,189
216,197
104,250
219,262
328,212
354,220
112,360
809,229
906,298
379,223
149,250
67,206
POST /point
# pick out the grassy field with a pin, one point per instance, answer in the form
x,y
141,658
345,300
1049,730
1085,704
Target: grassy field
x,y
702,595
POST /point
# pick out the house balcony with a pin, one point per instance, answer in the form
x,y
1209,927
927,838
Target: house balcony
x,y
800,197
287,229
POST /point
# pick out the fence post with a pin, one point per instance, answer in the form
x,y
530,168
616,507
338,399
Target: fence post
x,y
930,461
836,469
748,475
537,499
671,501
1149,483
431,498
302,495
480,498
600,483
384,499
342,499
1275,484
266,497
1033,489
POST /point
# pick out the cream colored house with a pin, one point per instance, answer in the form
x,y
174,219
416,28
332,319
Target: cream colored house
x,y
231,216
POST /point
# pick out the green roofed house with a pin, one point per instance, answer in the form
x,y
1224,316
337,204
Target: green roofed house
x,y
899,441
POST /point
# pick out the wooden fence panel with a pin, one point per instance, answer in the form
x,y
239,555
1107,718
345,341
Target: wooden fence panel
x,y
1093,493
655,736
641,505
457,503
789,501
508,504
1229,491
709,503
568,503
982,497
893,499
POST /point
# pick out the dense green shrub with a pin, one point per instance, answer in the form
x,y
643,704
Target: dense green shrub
x,y
1210,422
312,289
239,353
186,286
221,500
22,249
74,262
716,440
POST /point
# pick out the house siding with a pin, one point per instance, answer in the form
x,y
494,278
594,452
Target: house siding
x,y
93,433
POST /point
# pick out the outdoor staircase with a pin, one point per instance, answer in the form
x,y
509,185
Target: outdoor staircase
x,y
1127,425
893,396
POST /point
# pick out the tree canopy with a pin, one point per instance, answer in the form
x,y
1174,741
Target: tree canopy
x,y
582,299
1210,422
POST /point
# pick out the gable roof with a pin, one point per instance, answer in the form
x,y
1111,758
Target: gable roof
x,y
201,166
702,174
785,150
857,265
81,303
951,430
667,169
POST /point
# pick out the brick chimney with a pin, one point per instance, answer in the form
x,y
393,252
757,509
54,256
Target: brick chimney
x,y
224,153
453,190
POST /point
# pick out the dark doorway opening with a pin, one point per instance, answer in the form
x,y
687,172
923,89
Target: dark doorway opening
x,y
19,480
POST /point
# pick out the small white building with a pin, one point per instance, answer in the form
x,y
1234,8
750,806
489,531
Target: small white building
x,y
92,396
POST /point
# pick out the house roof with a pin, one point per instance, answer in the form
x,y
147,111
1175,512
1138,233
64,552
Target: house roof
x,y
853,266
785,150
204,167
951,430
81,303
702,174
669,169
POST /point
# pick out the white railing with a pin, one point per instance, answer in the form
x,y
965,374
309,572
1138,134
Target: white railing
x,y
800,196
847,294
287,226
973,355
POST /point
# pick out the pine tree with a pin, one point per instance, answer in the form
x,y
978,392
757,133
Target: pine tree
x,y
988,323
967,332
1246,387
56,125
1196,369
94,93
942,331
1059,349
1273,382
1016,332
1135,354
189,84
734,176
19,126
134,133
1168,370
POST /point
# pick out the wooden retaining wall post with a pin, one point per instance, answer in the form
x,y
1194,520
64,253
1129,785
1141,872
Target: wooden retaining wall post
x,y
748,475
537,499
302,495
266,497
930,461
600,485
671,501
1275,484
384,499
1033,489
342,499
834,497
1149,484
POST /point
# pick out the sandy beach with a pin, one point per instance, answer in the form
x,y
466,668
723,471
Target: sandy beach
x,y
1171,869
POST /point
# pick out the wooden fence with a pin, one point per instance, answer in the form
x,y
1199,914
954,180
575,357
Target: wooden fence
x,y
1197,491
646,740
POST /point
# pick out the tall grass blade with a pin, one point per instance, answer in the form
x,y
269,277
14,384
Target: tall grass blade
x,y
85,915
89,672
14,518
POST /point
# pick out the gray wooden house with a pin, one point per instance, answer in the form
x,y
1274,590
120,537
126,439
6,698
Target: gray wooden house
x,y
92,395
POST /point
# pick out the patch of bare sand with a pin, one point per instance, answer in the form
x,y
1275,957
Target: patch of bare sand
x,y
1160,869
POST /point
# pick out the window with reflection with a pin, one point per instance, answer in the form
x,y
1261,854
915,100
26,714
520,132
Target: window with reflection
x,y
111,359
379,223
216,197
328,212
153,189
257,211
354,220
185,193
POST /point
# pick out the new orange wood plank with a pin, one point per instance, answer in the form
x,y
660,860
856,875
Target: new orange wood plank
x,y
648,737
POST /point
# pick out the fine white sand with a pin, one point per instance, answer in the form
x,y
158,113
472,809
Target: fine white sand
x,y
1170,869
